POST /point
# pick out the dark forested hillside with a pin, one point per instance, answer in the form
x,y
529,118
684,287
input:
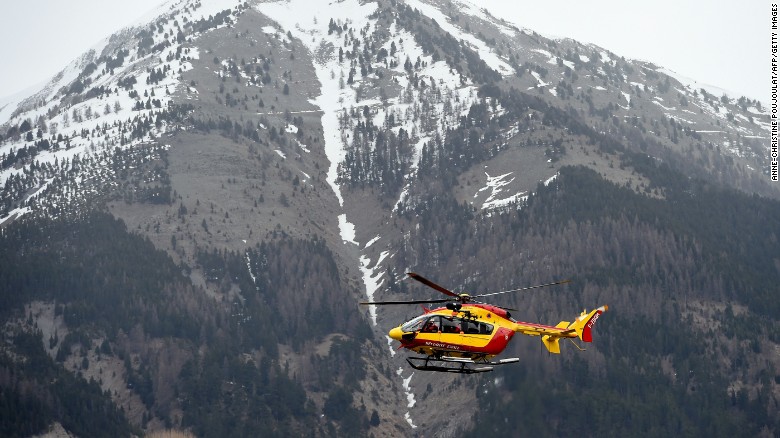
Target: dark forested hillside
x,y
224,362
37,391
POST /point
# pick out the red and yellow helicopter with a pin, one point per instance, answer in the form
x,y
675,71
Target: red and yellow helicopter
x,y
465,335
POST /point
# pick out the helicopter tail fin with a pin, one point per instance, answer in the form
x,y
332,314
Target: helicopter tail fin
x,y
583,324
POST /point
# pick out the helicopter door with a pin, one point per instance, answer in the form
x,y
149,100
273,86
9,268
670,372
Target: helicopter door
x,y
450,330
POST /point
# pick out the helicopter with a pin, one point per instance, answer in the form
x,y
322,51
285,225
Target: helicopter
x,y
466,335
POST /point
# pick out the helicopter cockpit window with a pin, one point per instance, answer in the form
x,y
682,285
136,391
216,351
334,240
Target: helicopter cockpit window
x,y
432,325
415,324
485,329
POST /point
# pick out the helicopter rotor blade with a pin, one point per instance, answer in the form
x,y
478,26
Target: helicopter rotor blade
x,y
522,289
431,284
381,303
494,305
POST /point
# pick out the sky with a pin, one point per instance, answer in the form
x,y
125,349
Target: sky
x,y
716,42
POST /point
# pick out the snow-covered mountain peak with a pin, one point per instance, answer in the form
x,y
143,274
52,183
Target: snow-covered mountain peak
x,y
117,94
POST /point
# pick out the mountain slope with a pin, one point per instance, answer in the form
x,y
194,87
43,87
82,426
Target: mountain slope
x,y
252,169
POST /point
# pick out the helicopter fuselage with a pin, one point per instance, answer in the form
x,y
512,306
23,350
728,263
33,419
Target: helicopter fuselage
x,y
475,331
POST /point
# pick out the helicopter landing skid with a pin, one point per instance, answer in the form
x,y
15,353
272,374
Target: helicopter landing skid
x,y
455,364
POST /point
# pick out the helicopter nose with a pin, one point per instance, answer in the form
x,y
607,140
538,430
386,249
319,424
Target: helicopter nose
x,y
396,333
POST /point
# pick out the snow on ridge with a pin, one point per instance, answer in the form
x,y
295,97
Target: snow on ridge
x,y
171,7
91,126
107,109
692,84
46,99
212,7
47,91
487,54
483,14
10,103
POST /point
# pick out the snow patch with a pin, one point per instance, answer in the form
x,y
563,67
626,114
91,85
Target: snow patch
x,y
408,419
538,77
628,99
407,388
249,269
16,212
410,401
346,229
372,280
495,185
390,345
371,242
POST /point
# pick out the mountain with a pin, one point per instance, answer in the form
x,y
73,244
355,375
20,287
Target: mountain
x,y
190,214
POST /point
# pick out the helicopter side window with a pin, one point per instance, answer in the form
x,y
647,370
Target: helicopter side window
x,y
470,327
476,328
450,325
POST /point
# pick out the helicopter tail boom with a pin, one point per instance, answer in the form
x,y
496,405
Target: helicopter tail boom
x,y
551,336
